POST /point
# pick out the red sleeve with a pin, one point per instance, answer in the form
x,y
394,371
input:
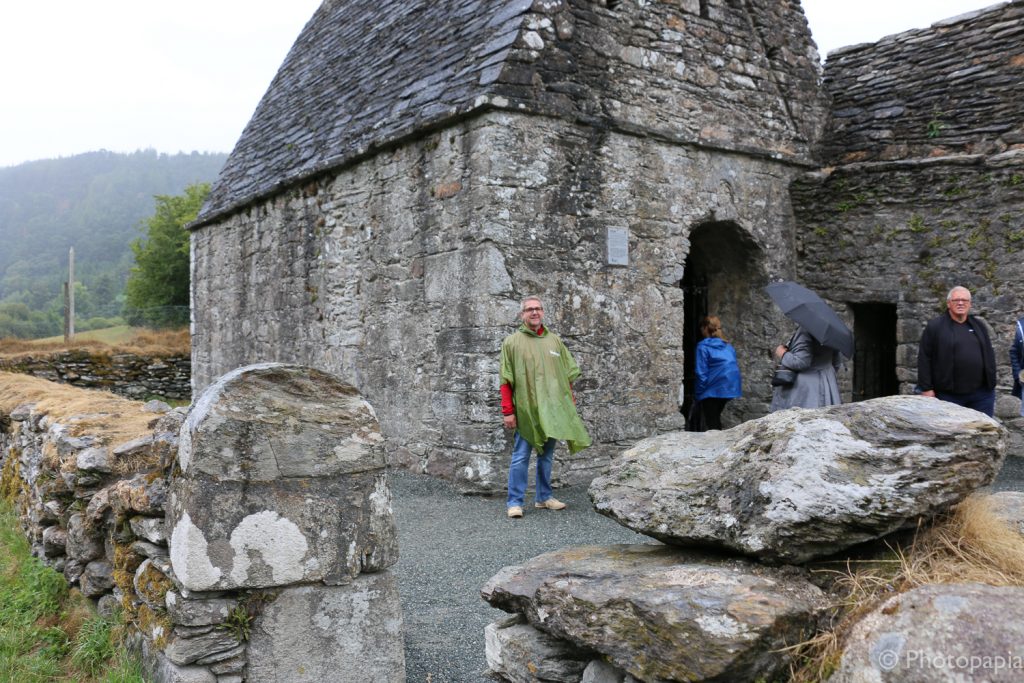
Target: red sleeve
x,y
507,407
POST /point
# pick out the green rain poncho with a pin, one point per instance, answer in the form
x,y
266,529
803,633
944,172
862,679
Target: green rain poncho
x,y
540,368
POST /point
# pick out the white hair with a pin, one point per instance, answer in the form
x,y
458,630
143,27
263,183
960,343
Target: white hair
x,y
958,287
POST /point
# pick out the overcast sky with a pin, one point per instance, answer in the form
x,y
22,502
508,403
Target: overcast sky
x,y
178,76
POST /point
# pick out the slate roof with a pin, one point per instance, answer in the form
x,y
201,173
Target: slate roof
x,y
362,74
954,88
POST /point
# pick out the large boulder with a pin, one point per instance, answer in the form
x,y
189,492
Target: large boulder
x,y
663,613
801,484
282,481
939,633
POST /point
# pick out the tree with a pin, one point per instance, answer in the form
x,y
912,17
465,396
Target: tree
x,y
157,290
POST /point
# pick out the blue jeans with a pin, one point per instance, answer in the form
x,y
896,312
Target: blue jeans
x,y
519,471
982,400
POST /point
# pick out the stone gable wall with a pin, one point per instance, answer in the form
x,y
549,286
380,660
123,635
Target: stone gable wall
x,y
125,374
954,88
738,76
403,274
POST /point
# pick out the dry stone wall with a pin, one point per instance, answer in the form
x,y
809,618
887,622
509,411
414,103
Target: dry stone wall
x,y
403,274
125,374
249,541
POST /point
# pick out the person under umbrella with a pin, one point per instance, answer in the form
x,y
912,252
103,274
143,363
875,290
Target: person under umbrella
x,y
812,354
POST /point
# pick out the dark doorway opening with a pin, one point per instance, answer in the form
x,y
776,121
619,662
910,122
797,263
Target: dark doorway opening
x,y
874,362
720,278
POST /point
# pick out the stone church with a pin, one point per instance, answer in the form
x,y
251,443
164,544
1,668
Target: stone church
x,y
416,168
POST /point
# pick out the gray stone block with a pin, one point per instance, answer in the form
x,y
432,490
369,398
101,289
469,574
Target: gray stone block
x,y
343,634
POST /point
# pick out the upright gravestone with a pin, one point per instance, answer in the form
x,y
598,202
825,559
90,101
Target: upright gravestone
x,y
282,496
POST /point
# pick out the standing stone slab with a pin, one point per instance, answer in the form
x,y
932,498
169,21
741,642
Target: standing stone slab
x,y
662,613
282,482
341,634
800,484
939,634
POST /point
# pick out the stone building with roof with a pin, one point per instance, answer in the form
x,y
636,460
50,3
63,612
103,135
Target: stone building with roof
x,y
415,169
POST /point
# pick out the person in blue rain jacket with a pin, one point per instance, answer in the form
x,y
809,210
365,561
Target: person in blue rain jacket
x,y
718,376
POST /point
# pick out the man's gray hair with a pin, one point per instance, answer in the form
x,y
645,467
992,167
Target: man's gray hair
x,y
522,306
949,296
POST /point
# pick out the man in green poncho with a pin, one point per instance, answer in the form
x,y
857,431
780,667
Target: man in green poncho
x,y
537,402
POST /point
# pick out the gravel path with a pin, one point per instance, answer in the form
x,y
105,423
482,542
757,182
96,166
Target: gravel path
x,y
451,544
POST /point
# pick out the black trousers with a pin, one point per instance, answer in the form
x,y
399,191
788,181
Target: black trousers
x,y
706,414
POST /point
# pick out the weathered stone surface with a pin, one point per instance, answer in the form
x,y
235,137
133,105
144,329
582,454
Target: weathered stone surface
x,y
283,470
55,540
521,653
94,459
939,634
343,634
276,534
83,544
186,650
598,671
97,578
142,494
152,529
270,421
663,613
1009,506
800,484
73,570
197,611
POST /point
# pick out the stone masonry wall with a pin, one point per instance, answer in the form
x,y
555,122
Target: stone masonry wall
x,y
402,275
906,233
926,186
125,374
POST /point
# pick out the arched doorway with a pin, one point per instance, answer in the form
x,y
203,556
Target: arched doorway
x,y
722,276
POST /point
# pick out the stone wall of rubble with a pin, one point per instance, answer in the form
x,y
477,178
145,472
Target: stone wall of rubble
x,y
125,374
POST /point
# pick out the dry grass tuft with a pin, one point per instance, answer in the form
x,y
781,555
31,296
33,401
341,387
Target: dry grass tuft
x,y
109,417
970,544
143,343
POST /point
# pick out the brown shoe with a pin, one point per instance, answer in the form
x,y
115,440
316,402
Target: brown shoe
x,y
515,511
550,504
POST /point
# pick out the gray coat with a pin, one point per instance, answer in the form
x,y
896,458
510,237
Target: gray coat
x,y
815,367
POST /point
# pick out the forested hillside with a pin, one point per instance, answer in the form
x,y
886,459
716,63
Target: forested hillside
x,y
93,202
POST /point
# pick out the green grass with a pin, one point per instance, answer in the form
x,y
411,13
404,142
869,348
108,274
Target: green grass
x,y
48,633
108,335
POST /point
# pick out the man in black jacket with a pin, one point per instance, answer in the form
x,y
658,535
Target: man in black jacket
x,y
955,360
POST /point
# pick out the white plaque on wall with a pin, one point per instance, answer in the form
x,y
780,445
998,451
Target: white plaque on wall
x,y
618,246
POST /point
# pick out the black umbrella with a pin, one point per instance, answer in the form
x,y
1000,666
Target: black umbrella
x,y
810,312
